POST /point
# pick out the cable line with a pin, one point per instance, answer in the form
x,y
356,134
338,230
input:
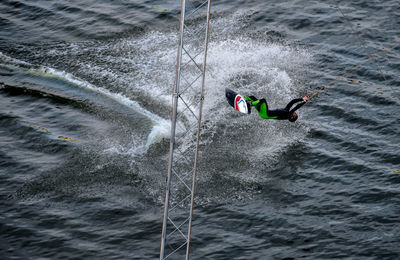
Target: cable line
x,y
363,45
313,94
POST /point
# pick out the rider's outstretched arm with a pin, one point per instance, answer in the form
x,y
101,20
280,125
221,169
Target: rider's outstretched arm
x,y
304,100
291,103
297,107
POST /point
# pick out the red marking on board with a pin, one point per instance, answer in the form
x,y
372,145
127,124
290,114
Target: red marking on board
x,y
237,99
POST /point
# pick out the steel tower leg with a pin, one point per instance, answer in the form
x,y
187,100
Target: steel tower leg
x,y
188,98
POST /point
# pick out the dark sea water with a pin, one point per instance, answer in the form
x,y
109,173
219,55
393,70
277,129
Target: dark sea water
x,y
85,97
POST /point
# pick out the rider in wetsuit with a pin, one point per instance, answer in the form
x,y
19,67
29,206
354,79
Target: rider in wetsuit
x,y
280,114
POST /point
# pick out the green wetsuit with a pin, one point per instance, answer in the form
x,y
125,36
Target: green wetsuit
x,y
280,114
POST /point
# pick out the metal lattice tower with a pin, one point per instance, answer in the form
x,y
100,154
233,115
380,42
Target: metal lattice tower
x,y
188,99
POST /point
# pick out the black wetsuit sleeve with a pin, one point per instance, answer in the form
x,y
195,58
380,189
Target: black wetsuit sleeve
x,y
291,103
297,107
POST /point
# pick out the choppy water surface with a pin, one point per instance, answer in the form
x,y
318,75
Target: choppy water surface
x,y
84,113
